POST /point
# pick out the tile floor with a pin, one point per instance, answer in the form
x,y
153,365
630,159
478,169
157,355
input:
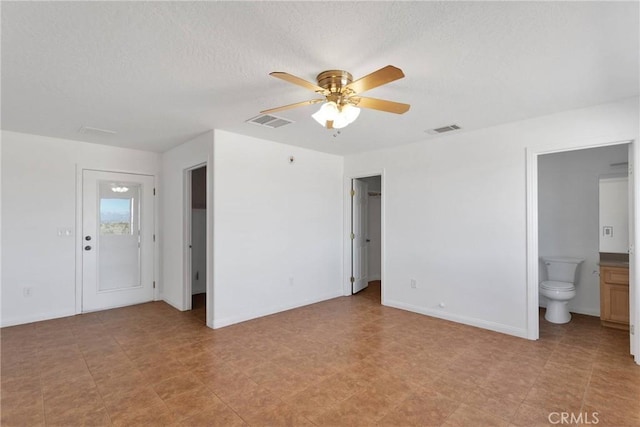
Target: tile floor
x,y
343,362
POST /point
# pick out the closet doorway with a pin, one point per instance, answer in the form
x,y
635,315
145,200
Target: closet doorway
x,y
366,232
197,238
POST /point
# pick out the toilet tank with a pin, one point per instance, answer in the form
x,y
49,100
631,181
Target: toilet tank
x,y
561,269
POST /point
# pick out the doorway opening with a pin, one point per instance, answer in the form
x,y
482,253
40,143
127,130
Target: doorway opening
x,y
366,237
196,263
565,225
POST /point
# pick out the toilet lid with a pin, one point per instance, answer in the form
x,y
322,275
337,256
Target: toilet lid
x,y
557,286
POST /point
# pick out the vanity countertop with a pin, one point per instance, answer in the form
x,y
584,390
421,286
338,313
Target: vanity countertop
x,y
614,260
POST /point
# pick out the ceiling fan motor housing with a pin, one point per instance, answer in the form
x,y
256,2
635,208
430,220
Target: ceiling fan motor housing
x,y
334,80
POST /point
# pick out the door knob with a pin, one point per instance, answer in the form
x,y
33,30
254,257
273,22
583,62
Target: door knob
x,y
87,238
87,248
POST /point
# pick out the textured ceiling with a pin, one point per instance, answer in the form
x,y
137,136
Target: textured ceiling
x,y
159,73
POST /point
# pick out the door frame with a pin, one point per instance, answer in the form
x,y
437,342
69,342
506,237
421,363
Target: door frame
x,y
532,154
347,230
79,225
187,253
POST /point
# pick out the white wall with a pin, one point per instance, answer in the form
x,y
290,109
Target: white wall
x,y
174,237
455,209
39,185
614,215
568,214
277,227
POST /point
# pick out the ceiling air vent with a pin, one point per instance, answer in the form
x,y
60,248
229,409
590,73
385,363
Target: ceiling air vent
x,y
443,129
269,121
88,130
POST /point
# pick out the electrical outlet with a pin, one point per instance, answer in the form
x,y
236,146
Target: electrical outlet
x,y
26,292
413,284
290,280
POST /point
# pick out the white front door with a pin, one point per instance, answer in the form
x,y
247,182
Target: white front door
x,y
117,239
359,200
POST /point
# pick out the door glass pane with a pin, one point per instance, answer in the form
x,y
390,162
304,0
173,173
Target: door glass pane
x,y
115,216
119,238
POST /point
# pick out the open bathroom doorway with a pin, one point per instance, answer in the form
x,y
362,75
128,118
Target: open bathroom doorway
x,y
564,193
366,237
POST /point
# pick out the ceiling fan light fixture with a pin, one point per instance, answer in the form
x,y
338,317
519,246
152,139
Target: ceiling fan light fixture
x,y
327,112
339,116
350,113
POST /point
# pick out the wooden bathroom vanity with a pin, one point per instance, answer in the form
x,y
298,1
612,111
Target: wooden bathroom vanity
x,y
613,212
614,294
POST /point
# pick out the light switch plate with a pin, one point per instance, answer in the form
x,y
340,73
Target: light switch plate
x,y
64,232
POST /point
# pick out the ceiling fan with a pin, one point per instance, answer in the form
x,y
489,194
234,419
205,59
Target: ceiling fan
x,y
342,95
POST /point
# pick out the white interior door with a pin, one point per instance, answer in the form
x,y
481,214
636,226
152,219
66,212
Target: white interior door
x,y
374,234
631,206
117,239
359,256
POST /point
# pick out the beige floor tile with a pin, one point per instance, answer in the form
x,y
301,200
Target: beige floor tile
x,y
127,400
192,402
346,361
221,416
466,416
491,402
425,409
174,386
156,415
534,416
622,414
20,417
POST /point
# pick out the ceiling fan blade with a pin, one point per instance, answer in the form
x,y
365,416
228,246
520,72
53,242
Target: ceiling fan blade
x,y
377,78
298,81
380,104
297,104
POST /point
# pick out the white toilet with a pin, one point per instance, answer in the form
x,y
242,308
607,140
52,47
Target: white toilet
x,y
559,288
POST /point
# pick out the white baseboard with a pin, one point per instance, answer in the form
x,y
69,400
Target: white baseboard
x,y
221,323
173,304
586,311
478,323
36,318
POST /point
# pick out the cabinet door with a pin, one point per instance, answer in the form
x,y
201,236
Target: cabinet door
x,y
616,303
